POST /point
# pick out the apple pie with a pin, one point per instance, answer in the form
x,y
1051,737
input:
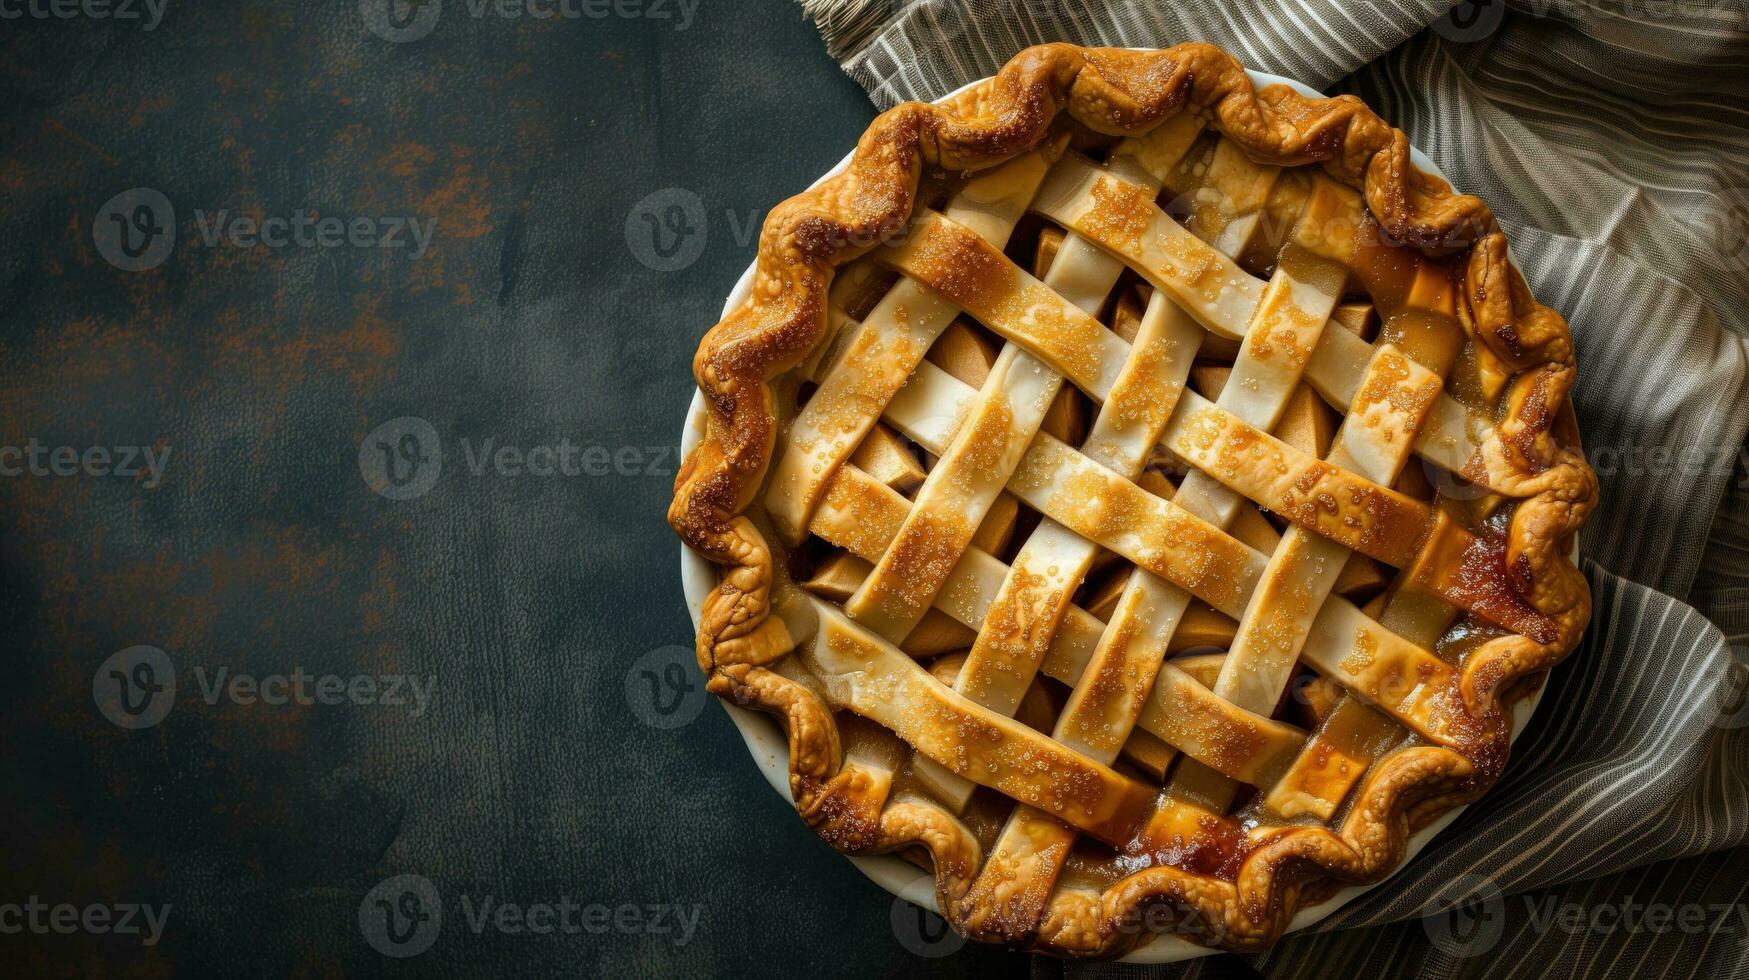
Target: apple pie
x,y
1139,496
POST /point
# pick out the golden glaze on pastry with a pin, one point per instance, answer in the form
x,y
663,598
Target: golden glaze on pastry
x,y
1063,773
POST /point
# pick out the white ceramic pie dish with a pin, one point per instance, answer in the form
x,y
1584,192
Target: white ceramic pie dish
x,y
770,749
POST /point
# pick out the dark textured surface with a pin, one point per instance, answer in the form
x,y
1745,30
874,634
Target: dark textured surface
x,y
529,320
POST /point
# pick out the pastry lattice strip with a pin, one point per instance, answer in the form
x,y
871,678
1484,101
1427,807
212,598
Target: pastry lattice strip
x,y
859,514
913,389
938,528
1178,141
854,800
1396,525
1105,703
1255,671
1028,606
1149,606
1088,355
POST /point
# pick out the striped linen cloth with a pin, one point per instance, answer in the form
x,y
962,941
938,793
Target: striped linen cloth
x,y
1612,143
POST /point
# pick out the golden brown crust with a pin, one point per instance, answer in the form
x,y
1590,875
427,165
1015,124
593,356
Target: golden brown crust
x,y
1124,92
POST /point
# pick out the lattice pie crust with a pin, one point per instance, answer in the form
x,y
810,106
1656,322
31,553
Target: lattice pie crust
x,y
1171,495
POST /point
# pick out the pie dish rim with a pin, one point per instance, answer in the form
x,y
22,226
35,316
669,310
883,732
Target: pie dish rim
x,y
769,748
767,744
